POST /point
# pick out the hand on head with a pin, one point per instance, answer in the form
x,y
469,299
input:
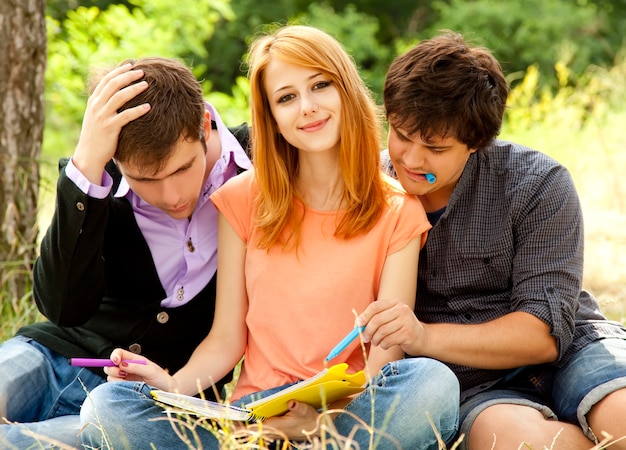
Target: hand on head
x,y
103,123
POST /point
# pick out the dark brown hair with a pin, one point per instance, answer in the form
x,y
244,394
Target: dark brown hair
x,y
445,87
176,111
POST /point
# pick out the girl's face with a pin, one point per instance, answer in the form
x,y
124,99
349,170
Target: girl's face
x,y
306,106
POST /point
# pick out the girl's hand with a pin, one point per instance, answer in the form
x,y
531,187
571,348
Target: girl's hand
x,y
149,373
299,419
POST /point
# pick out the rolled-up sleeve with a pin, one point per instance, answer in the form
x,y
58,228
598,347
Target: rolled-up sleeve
x,y
548,263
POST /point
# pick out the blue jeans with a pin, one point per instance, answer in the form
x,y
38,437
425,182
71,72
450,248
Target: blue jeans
x,y
41,391
565,394
397,403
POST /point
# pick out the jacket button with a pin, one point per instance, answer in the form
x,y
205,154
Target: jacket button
x,y
162,317
135,348
80,206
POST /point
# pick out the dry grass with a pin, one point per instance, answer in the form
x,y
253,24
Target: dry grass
x,y
605,260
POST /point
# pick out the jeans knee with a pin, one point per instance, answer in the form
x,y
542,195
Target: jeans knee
x,y
440,376
91,428
100,414
448,388
102,403
436,377
437,389
95,402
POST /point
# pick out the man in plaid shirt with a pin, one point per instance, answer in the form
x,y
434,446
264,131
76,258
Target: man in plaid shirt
x,y
499,296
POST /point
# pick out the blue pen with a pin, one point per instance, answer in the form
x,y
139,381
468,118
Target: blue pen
x,y
345,342
430,178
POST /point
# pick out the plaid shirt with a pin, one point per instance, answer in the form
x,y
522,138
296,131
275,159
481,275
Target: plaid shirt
x,y
510,239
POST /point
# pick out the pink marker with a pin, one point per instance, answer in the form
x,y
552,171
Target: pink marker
x,y
101,362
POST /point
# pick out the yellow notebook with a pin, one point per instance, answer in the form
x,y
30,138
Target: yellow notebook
x,y
327,386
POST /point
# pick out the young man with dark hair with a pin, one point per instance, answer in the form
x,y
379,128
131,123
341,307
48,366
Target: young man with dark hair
x,y
499,295
130,256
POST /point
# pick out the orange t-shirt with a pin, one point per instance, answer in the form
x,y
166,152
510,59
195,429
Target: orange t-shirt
x,y
301,304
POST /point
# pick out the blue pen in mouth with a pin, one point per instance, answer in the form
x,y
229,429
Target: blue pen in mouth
x,y
430,178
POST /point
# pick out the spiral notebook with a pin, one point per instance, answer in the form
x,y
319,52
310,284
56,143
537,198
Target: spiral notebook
x,y
329,385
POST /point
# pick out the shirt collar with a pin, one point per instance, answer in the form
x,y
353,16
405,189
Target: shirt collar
x,y
230,145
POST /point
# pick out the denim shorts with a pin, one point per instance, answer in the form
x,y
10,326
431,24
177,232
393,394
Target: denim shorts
x,y
565,394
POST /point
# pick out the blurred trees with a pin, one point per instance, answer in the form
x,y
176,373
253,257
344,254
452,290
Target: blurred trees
x,y
533,32
22,67
538,32
89,37
212,36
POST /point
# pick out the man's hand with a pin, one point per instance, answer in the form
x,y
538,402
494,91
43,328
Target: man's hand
x,y
392,322
102,123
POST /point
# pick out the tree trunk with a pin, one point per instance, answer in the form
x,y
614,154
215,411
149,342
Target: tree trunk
x,y
22,80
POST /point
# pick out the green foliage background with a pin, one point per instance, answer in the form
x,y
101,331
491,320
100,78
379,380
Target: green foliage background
x,y
212,36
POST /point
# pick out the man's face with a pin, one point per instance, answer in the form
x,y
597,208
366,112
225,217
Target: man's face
x,y
413,158
175,188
